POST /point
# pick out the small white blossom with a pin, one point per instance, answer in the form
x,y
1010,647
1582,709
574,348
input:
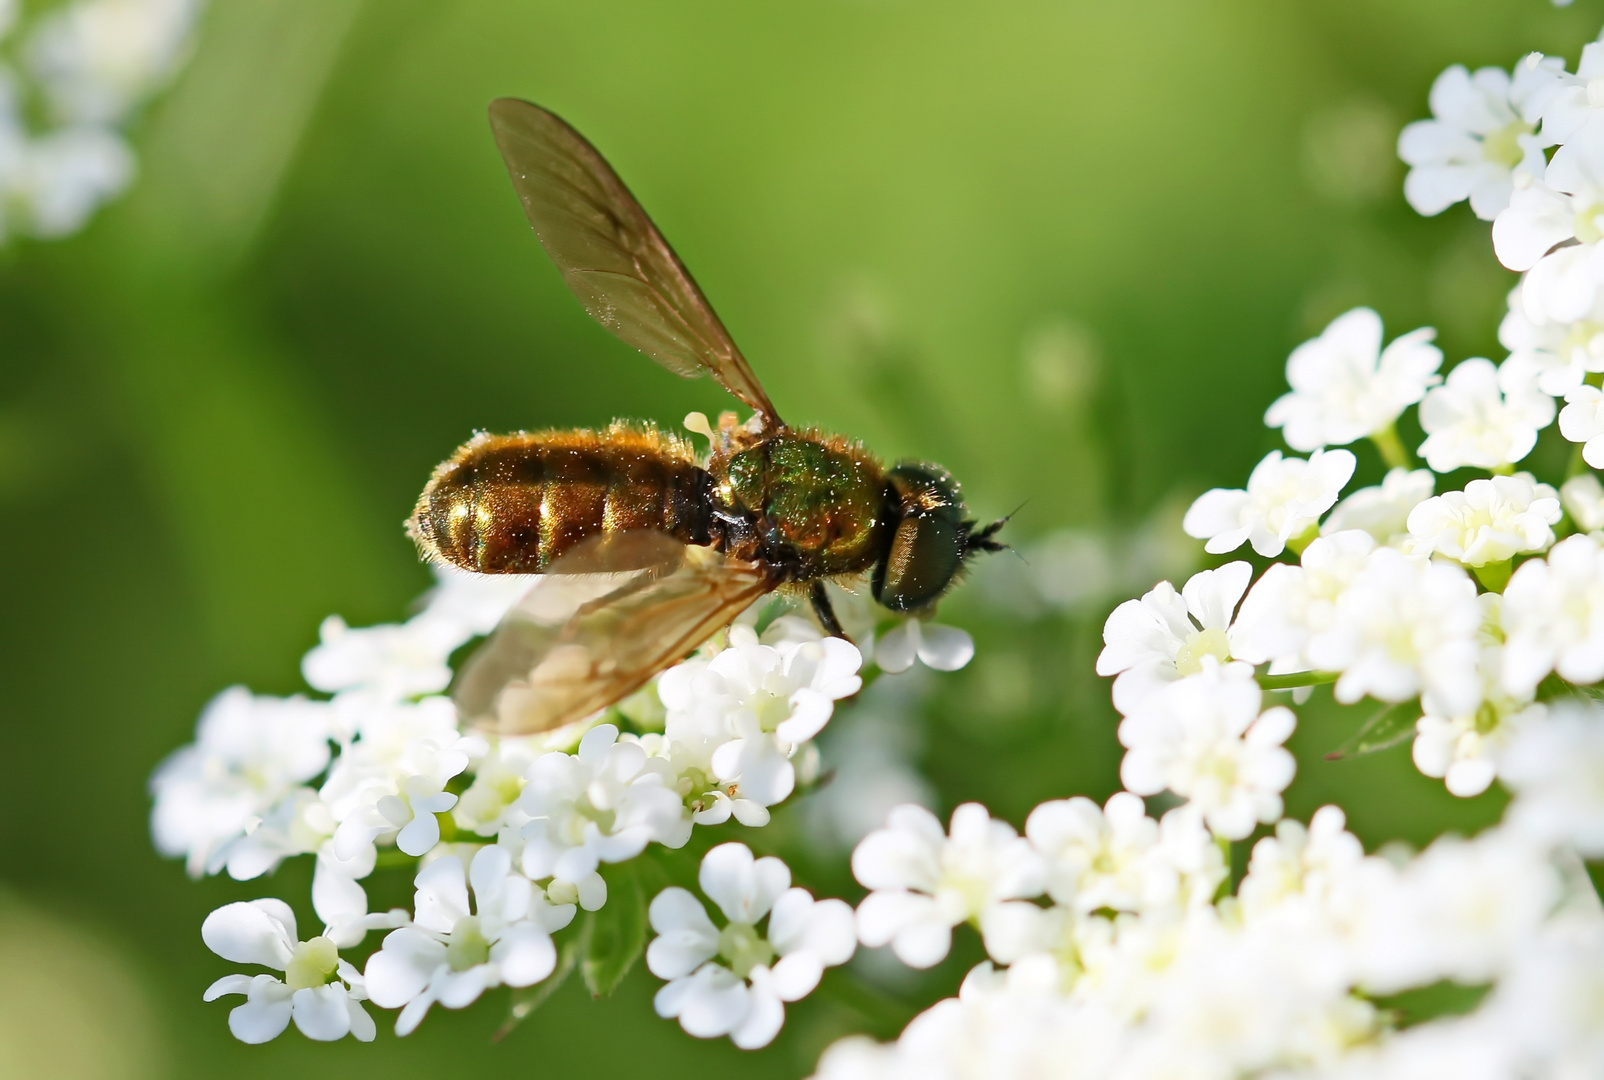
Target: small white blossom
x,y
1383,511
1204,739
319,991
451,953
1550,1004
1465,750
97,58
1490,521
1556,767
391,661
1404,627
1561,99
89,65
1583,499
390,782
249,753
1460,911
926,882
1554,617
1283,501
741,717
1101,858
1562,203
1289,604
1298,865
735,980
1478,137
1345,386
943,648
1483,417
1164,636
604,803
1582,421
1557,355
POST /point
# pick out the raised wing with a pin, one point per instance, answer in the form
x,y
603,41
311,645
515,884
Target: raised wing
x,y
607,617
611,254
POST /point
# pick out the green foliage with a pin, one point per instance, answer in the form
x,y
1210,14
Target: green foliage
x,y
1388,727
612,939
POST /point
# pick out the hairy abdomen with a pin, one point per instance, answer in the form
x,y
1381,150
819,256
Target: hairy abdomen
x,y
510,504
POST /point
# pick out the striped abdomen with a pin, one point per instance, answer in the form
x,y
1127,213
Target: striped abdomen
x,y
510,504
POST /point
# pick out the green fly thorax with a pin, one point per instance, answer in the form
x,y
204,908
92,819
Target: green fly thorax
x,y
813,504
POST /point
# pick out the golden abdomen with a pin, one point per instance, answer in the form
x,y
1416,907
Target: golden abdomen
x,y
510,504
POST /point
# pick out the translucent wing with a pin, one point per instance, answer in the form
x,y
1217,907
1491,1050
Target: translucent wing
x,y
608,616
610,253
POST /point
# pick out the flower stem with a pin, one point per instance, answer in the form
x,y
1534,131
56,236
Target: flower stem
x,y
1577,465
1297,679
1494,576
1392,448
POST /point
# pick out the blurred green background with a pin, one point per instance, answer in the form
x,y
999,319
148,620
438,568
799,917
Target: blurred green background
x,y
1063,248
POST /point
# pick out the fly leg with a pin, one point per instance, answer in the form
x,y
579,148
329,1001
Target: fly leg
x,y
826,613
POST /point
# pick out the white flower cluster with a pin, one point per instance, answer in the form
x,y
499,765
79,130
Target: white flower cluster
x,y
509,836
1475,617
83,68
1133,971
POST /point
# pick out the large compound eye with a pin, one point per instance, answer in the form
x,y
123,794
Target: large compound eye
x,y
925,554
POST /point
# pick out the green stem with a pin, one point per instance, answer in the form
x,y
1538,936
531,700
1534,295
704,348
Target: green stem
x,y
1577,465
1495,575
1392,448
1297,679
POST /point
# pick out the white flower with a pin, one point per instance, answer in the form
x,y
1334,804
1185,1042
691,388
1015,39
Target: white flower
x,y
1300,865
1162,637
249,753
925,882
1101,858
1382,511
1477,139
1564,202
391,661
1490,521
1482,416
944,648
1284,499
1554,617
1550,1005
1582,421
97,58
1459,911
604,803
742,716
734,981
452,953
1288,604
319,991
1556,768
1558,355
1465,750
1404,627
91,63
391,781
1560,98
1345,386
1583,498
1204,739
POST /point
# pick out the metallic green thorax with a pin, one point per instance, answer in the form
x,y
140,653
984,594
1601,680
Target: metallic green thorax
x,y
795,500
